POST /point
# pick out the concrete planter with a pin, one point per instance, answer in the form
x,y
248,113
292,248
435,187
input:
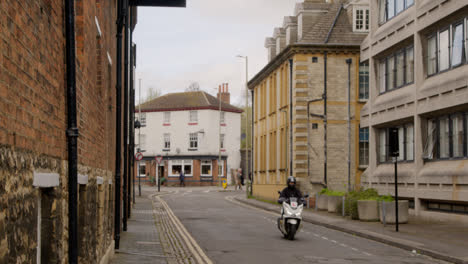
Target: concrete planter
x,y
322,202
368,210
387,210
333,203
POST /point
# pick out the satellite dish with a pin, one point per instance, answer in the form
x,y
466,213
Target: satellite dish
x,y
178,150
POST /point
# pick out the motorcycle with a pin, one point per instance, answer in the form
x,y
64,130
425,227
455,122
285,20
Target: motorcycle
x,y
291,216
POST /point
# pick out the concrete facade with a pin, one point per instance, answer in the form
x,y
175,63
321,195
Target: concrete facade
x,y
283,88
435,177
33,125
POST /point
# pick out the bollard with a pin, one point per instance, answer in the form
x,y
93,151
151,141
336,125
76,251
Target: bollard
x,y
383,213
308,200
316,202
342,207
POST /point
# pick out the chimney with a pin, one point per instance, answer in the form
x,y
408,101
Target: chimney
x,y
224,94
270,44
279,35
290,25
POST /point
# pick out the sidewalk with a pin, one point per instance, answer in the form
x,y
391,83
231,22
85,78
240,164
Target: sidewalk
x,y
444,241
141,242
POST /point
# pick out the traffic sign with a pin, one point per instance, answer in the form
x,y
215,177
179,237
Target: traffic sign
x,y
158,159
138,156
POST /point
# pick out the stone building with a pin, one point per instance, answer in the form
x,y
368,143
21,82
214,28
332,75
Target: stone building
x,y
417,54
34,161
189,132
302,90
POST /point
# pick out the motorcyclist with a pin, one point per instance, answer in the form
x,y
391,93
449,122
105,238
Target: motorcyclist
x,y
291,191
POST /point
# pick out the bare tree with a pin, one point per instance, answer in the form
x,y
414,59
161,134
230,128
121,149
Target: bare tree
x,y
194,86
152,94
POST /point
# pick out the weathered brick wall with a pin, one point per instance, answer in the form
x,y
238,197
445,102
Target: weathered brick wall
x,y
33,123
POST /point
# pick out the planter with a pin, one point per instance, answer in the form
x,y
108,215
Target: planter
x,y
387,210
333,203
368,210
322,202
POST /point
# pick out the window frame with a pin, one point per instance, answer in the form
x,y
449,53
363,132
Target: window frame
x,y
205,163
193,116
452,37
402,152
364,85
386,18
193,141
393,57
222,142
140,165
365,131
166,117
221,166
365,18
167,141
222,118
436,155
142,117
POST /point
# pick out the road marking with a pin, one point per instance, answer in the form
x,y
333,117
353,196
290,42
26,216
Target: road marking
x,y
343,245
368,254
207,191
196,250
334,241
326,238
316,235
355,249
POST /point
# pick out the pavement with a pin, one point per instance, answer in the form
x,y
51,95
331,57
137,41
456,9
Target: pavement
x,y
443,241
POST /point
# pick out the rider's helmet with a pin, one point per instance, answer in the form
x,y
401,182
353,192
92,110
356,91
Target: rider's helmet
x,y
291,182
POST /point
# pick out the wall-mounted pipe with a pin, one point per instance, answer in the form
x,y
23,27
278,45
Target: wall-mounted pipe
x,y
118,141
126,138
252,146
308,132
325,118
290,116
72,132
349,61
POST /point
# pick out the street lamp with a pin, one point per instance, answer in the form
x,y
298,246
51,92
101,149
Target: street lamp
x,y
247,171
219,132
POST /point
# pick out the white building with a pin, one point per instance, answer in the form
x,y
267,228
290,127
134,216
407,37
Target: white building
x,y
185,129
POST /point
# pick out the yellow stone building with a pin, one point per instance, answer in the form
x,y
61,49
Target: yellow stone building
x,y
300,100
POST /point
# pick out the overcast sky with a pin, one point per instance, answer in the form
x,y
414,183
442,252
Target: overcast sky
x,y
178,46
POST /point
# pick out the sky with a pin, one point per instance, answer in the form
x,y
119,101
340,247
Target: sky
x,y
199,43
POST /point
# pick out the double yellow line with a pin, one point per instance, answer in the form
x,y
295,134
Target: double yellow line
x,y
195,249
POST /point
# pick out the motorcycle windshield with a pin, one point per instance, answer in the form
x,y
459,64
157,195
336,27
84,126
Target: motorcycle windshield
x,y
293,202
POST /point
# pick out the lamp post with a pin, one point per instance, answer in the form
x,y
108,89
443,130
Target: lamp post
x,y
139,136
247,171
219,132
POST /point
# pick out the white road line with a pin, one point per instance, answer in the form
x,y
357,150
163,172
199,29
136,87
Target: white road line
x,y
368,254
334,241
355,249
316,235
207,191
326,238
343,245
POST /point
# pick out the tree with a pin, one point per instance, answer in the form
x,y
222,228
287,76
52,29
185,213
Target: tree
x,y
194,86
152,94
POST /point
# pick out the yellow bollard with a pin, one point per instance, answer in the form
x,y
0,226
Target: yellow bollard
x,y
224,184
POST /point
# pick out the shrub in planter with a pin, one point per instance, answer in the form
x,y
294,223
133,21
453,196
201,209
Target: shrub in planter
x,y
388,210
322,200
334,201
351,201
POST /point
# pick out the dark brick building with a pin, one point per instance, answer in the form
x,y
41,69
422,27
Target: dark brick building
x,y
34,164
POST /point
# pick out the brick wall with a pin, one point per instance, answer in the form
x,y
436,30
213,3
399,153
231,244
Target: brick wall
x,y
33,123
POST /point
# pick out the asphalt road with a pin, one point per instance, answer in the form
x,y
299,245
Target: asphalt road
x,y
232,233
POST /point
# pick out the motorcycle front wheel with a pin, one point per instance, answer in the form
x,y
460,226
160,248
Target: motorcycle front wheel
x,y
292,232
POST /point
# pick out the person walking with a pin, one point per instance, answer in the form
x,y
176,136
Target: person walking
x,y
239,179
182,178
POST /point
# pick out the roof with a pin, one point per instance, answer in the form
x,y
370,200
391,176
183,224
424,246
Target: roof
x,y
197,100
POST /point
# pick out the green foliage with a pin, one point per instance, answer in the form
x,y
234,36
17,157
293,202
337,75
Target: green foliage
x,y
331,193
386,198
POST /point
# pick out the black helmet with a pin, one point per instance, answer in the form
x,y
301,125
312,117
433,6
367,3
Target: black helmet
x,y
291,179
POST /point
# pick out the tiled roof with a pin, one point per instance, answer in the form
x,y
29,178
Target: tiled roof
x,y
187,101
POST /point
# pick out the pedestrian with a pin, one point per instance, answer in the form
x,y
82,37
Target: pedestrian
x,y
239,179
182,178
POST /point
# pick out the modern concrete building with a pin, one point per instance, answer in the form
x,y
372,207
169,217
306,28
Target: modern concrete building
x,y
301,100
416,51
186,130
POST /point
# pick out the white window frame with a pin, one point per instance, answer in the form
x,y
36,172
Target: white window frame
x,y
142,119
167,117
193,138
193,116
365,18
205,163
181,163
141,164
222,141
223,117
167,141
142,142
221,166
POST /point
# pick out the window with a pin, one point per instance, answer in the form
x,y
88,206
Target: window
x,y
167,117
193,141
142,168
364,81
167,141
223,117
221,143
447,137
221,168
397,70
457,45
142,142
193,116
177,165
405,143
361,19
206,168
446,49
390,8
364,146
143,119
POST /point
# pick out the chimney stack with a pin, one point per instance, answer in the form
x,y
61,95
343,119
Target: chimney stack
x,y
223,93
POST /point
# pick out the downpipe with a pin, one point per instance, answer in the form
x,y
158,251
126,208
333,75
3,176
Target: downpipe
x,y
126,140
349,61
72,133
290,116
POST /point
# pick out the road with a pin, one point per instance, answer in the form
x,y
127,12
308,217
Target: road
x,y
230,232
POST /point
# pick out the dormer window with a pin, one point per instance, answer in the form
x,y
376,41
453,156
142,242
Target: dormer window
x,y
361,19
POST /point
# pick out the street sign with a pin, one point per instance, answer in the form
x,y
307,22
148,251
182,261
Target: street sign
x,y
138,156
158,159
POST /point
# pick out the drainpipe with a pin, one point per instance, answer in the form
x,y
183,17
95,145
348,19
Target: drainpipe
x,y
252,145
308,131
72,133
325,118
118,142
290,116
349,61
132,112
126,141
